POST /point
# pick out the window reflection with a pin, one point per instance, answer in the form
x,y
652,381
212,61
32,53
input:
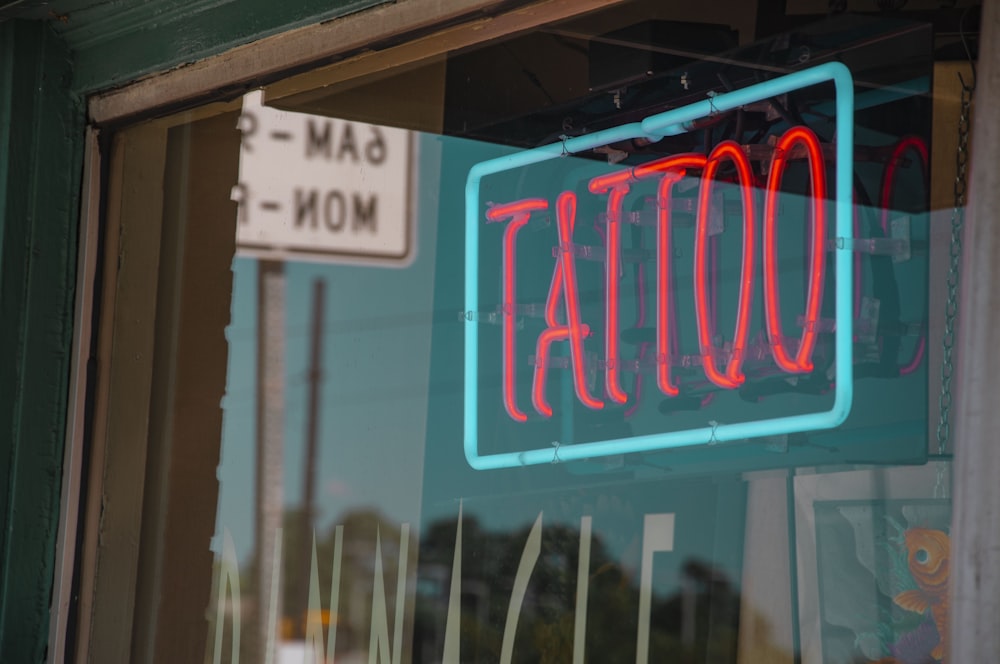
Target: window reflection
x,y
351,524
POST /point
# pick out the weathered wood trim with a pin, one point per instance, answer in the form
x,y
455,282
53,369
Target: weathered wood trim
x,y
264,60
62,591
124,378
975,554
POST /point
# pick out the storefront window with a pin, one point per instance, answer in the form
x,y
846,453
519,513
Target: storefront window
x,y
610,340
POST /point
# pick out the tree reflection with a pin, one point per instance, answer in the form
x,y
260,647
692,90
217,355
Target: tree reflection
x,y
697,624
694,618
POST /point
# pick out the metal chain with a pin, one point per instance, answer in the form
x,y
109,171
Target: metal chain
x,y
954,270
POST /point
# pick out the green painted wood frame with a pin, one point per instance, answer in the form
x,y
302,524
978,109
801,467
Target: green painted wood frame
x,y
41,148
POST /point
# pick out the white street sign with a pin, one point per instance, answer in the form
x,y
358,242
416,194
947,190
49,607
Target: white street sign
x,y
318,188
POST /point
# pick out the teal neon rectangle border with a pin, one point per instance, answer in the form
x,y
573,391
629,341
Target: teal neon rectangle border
x,y
672,123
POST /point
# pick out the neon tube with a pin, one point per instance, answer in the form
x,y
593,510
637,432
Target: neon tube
x,y
552,301
637,385
556,332
664,288
733,376
545,341
640,322
674,122
672,170
509,317
563,284
889,177
518,212
672,163
612,267
802,363
525,207
920,147
566,218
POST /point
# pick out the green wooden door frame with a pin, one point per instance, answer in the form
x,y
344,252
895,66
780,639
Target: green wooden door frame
x,y
41,138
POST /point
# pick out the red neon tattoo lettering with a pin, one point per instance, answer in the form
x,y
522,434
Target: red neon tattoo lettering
x,y
906,143
675,162
612,272
562,312
518,212
566,218
640,322
555,332
545,341
733,376
510,210
802,362
920,147
664,289
672,170
564,283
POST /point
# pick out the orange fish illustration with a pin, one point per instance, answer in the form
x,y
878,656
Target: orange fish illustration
x,y
929,557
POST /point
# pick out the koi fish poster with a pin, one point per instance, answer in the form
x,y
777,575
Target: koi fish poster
x,y
883,569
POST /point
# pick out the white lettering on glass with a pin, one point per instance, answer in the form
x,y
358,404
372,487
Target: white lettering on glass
x,y
582,587
378,645
272,610
454,619
657,535
229,577
314,621
321,634
532,548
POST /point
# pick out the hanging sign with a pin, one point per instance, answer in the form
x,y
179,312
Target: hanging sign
x,y
325,189
597,369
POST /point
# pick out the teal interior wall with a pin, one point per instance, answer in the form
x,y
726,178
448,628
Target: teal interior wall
x,y
52,54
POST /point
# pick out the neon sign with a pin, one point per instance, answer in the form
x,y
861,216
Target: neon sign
x,y
723,368
616,186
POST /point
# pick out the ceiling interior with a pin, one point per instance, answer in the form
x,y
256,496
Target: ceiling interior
x,y
646,56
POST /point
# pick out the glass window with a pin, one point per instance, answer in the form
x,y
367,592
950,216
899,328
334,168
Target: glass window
x,y
605,339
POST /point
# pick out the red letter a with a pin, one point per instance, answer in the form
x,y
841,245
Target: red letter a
x,y
563,284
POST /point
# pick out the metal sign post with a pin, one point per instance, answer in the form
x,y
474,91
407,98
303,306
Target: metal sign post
x,y
270,446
